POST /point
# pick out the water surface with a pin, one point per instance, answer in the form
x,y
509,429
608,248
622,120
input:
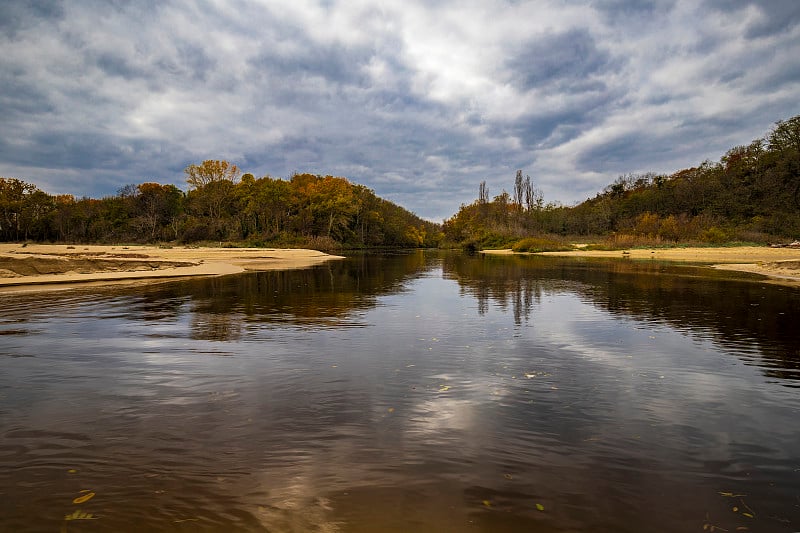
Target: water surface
x,y
408,392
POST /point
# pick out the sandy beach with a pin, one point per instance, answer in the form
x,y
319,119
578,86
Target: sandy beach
x,y
56,266
777,265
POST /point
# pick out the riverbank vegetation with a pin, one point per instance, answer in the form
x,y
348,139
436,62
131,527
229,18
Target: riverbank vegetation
x,y
321,212
751,195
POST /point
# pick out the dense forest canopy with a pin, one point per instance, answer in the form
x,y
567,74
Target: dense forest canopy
x,y
221,205
752,194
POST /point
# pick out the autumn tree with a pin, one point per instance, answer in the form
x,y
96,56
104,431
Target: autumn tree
x,y
211,200
325,205
210,171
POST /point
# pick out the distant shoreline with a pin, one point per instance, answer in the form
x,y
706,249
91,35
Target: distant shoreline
x,y
59,266
778,265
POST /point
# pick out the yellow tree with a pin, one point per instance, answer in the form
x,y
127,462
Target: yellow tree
x,y
325,205
333,202
210,171
213,195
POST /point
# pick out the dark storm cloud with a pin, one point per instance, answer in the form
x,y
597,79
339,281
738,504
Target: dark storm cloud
x,y
776,15
632,148
649,149
618,8
22,16
336,63
78,150
19,100
415,100
562,61
550,128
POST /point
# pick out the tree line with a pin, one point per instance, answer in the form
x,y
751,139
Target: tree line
x,y
222,204
751,194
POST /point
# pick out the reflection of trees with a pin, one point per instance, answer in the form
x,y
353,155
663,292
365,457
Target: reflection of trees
x,y
501,281
736,313
218,307
324,295
216,326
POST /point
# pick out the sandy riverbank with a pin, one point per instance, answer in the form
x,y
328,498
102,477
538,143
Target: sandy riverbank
x,y
46,266
780,265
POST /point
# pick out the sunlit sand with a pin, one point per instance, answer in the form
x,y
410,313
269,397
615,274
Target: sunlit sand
x,y
49,266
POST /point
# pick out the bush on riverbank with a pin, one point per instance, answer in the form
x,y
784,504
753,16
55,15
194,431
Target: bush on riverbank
x,y
541,244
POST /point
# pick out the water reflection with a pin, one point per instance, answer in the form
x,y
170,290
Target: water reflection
x,y
757,321
327,295
419,392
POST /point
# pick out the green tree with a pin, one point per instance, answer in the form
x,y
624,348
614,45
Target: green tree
x,y
23,210
785,135
158,207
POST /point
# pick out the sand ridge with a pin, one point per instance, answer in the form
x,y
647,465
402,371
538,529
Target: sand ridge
x,y
51,266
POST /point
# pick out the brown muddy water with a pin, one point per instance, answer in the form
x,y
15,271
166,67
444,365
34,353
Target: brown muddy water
x,y
417,392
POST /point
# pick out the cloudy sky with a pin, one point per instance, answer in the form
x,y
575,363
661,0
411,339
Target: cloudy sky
x,y
418,100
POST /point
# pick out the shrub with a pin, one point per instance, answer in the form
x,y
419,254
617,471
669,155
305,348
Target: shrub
x,y
321,243
540,244
617,241
715,234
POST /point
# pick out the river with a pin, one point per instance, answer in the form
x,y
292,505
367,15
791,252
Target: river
x,y
416,391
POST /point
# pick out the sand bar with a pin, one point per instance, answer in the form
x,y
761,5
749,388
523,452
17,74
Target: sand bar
x,y
56,266
778,265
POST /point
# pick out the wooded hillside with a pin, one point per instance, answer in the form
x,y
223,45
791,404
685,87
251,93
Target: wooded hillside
x,y
222,205
752,194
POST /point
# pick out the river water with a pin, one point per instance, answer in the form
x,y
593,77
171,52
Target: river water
x,y
410,392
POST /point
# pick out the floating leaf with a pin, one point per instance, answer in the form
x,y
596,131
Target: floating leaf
x,y
487,503
391,409
80,515
750,513
443,388
540,507
72,471
85,498
508,476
